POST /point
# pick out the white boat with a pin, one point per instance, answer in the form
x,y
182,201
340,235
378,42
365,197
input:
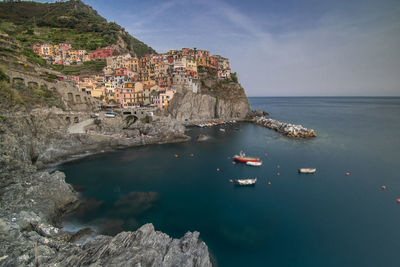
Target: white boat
x,y
222,130
246,181
307,170
254,163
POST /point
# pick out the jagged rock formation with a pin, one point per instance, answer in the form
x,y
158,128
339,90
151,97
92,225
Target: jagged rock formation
x,y
216,99
27,241
285,128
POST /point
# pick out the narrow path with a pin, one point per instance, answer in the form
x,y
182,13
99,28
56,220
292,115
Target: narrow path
x,y
80,127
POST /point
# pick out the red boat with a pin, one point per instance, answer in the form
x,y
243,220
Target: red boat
x,y
243,158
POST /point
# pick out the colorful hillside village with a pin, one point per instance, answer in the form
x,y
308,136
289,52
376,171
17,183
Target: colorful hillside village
x,y
128,81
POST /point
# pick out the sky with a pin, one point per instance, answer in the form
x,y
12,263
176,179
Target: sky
x,y
279,47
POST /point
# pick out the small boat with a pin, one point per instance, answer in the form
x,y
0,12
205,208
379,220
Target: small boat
x,y
254,163
243,158
307,170
110,115
246,181
222,130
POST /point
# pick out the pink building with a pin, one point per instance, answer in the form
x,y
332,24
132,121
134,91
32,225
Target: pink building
x,y
124,96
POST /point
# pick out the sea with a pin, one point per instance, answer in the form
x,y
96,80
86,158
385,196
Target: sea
x,y
339,216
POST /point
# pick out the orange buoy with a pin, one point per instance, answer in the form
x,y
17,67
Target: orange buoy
x,y
398,200
278,173
217,169
269,182
383,186
347,173
231,181
233,162
176,155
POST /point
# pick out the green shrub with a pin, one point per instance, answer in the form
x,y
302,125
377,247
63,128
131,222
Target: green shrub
x,y
234,77
3,76
9,94
146,119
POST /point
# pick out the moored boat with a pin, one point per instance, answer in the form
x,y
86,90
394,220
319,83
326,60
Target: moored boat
x,y
110,115
243,158
251,181
307,170
254,163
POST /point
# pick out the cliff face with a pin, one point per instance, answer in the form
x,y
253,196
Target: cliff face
x,y
215,99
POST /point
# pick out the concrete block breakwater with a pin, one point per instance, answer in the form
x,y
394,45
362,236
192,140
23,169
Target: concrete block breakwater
x,y
287,129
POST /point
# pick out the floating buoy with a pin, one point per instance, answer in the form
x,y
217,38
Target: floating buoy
x,y
217,169
383,186
269,182
278,166
278,173
347,173
233,162
192,155
398,200
231,181
176,155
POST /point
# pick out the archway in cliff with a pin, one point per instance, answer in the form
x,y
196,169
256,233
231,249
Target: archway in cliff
x,y
18,81
70,97
33,85
78,99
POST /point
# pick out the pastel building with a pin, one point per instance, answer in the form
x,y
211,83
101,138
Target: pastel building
x,y
162,98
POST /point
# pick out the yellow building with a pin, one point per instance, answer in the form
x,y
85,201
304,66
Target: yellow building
x,y
147,90
98,92
191,64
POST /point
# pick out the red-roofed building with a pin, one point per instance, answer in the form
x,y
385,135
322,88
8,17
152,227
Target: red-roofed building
x,y
102,53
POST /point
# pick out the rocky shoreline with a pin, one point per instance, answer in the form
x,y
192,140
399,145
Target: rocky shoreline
x,y
286,129
34,201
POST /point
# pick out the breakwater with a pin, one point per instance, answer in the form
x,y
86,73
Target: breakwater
x,y
284,128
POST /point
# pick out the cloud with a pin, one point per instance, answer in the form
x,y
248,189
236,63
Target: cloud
x,y
339,56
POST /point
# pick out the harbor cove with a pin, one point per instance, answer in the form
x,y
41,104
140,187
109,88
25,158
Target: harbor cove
x,y
339,216
199,133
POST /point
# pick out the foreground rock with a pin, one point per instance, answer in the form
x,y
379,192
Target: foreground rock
x,y
27,241
285,128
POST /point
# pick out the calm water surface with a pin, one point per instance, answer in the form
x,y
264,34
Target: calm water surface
x,y
326,219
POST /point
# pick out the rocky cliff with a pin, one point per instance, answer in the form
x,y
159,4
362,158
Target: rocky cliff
x,y
221,99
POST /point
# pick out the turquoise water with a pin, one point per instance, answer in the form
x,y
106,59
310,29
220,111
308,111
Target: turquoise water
x,y
326,219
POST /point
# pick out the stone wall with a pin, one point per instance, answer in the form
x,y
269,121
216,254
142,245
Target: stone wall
x,y
70,94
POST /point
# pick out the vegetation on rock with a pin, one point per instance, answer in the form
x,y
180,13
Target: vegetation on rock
x,y
18,95
23,24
